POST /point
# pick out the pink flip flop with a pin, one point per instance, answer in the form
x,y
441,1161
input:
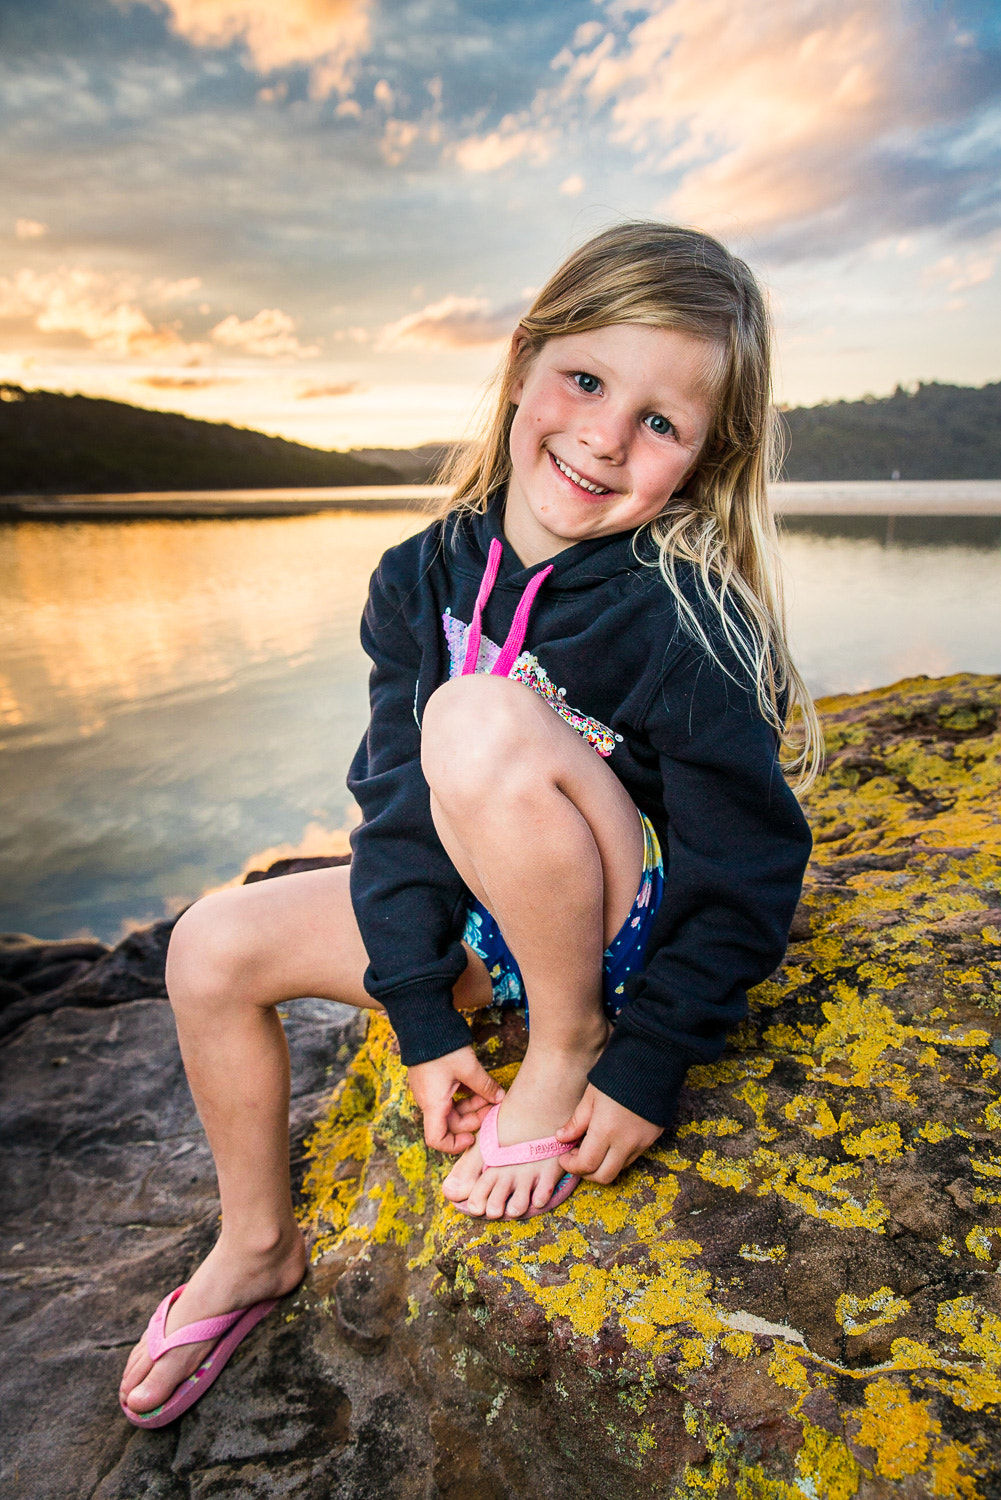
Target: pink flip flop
x,y
229,1330
496,1155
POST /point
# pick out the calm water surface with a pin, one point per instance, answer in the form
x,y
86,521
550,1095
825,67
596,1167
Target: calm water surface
x,y
180,700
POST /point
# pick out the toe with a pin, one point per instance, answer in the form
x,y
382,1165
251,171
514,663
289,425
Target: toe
x,y
462,1178
144,1396
160,1382
136,1369
519,1200
476,1202
499,1193
543,1189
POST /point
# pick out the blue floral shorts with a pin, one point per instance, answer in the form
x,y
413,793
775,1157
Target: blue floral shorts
x,y
623,954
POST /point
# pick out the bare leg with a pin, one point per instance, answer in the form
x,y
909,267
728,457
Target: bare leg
x,y
543,832
233,957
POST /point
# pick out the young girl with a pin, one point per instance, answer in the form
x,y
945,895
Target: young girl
x,y
570,787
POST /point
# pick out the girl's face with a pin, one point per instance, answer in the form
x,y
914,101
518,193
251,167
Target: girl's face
x,y
609,425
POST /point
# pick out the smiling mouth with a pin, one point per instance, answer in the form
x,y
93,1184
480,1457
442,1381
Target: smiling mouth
x,y
578,479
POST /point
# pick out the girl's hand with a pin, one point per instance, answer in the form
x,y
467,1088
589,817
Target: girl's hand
x,y
449,1125
612,1137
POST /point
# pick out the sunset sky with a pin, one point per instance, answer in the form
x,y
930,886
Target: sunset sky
x,y
321,217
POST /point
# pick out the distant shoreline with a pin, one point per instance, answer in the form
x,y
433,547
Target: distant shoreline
x,y
928,497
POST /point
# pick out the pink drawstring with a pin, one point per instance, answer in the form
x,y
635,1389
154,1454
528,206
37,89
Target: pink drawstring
x,y
511,648
475,628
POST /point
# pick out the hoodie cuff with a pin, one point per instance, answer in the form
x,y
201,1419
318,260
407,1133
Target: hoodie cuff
x,y
643,1077
426,1023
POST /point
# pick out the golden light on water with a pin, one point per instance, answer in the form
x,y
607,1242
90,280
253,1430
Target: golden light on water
x,y
97,617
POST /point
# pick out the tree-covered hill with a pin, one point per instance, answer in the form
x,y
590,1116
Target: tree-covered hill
x,y
934,432
52,444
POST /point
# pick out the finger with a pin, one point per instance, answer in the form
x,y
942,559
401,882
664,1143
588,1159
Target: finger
x,y
443,1134
471,1107
453,1143
578,1123
608,1168
476,1078
588,1155
462,1121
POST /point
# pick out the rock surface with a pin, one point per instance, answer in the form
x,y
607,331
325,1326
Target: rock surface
x,y
109,1198
796,1293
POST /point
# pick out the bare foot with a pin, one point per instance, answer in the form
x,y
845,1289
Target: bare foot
x,y
542,1097
225,1281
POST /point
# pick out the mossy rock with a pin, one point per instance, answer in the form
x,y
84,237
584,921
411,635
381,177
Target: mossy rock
x,y
797,1291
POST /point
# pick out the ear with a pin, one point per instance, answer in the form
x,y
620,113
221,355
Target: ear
x,y
519,342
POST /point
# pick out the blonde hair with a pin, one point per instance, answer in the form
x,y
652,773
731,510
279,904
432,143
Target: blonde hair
x,y
719,522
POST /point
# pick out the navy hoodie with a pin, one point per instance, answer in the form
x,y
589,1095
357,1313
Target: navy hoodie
x,y
605,648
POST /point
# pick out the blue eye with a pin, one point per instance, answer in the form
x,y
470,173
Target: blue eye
x,y
658,424
588,383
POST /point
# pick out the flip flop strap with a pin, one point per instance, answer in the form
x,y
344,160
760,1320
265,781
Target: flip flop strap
x,y
496,1155
158,1341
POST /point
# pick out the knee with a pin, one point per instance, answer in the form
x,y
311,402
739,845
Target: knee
x,y
477,734
209,950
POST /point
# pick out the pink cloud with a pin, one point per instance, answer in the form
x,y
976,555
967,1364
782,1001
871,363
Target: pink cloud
x,y
452,323
326,35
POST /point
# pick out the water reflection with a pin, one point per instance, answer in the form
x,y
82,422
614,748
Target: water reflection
x,y
901,531
98,617
868,605
177,695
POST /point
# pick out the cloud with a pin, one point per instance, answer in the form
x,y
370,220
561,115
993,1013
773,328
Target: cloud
x,y
182,382
318,392
963,272
96,308
397,139
326,35
29,229
175,291
515,139
452,323
813,126
269,332
572,186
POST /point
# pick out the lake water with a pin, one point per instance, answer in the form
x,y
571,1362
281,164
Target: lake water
x,y
179,700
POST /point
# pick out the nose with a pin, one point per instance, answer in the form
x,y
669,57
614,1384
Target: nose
x,y
605,434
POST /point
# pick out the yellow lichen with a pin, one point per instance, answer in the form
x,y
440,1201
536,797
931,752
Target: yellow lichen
x,y
884,1306
753,1095
755,1252
787,1369
826,1464
823,1123
897,1427
850,1037
882,1142
723,1125
978,1242
725,1171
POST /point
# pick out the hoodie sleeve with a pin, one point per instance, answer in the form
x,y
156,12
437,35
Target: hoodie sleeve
x,y
736,850
407,895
